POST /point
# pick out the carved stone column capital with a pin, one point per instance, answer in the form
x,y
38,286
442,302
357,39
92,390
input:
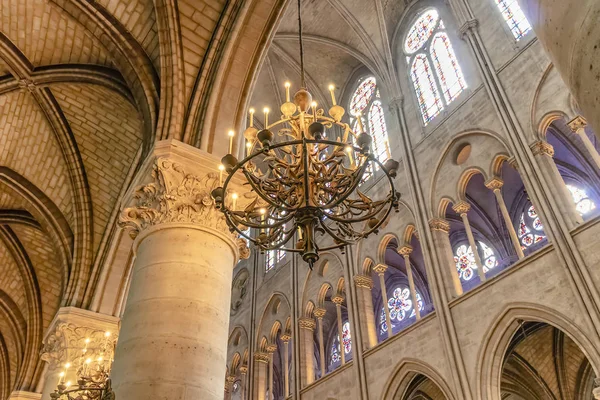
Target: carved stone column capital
x,y
272,348
69,331
338,300
396,103
512,161
462,207
261,357
244,369
307,323
577,124
541,147
363,281
230,379
286,337
439,224
174,186
320,312
405,250
380,269
467,26
494,183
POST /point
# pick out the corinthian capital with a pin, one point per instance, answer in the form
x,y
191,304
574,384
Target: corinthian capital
x,y
74,329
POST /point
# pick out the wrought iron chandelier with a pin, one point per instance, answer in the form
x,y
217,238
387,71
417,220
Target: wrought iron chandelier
x,y
304,182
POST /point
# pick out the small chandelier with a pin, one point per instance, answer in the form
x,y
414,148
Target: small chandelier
x,y
305,182
92,375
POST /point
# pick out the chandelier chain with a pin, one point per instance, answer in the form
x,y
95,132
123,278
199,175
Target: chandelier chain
x,y
302,78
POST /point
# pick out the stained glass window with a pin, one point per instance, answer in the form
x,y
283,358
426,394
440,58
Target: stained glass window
x,y
428,44
465,260
425,88
583,203
346,338
400,306
530,229
335,352
366,100
447,68
514,17
335,356
272,258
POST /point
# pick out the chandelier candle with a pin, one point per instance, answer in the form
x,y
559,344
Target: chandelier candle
x,y
266,111
287,92
332,91
231,135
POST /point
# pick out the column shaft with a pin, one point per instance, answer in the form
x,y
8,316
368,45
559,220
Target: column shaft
x,y
495,184
286,370
473,245
411,285
307,327
443,250
366,318
384,298
271,391
260,376
321,343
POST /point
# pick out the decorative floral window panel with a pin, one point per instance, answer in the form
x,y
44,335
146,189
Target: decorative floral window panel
x,y
465,260
400,306
530,229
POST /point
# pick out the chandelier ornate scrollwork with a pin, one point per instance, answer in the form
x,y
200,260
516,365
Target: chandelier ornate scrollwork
x,y
304,182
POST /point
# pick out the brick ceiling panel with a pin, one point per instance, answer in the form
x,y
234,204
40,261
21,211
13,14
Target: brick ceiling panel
x,y
10,279
139,17
108,133
29,147
198,20
47,268
46,35
11,347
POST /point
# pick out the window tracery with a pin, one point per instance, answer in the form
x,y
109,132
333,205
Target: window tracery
x,y
335,355
583,203
401,308
530,229
465,260
427,44
514,17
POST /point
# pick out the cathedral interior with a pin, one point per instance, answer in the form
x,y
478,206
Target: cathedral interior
x,y
124,275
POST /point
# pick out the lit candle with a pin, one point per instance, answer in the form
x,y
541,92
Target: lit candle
x,y
359,120
266,111
231,135
221,169
299,233
314,108
234,197
61,377
68,384
387,149
287,91
86,366
248,148
332,91
251,111
349,151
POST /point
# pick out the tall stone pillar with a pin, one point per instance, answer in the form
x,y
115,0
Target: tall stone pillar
x,y
338,301
405,251
261,362
271,349
285,338
578,125
243,374
462,208
72,330
543,153
307,366
440,230
366,320
569,31
320,313
175,325
495,184
380,270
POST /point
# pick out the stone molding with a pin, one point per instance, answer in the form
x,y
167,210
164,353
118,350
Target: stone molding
x,y
462,207
405,250
467,26
363,281
439,224
307,323
494,183
69,330
577,124
542,147
320,312
272,348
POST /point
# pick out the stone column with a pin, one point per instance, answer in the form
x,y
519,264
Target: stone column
x,y
461,208
405,252
366,320
495,184
440,230
243,375
285,338
543,153
272,348
338,301
307,327
21,395
578,125
320,313
175,325
569,32
261,361
71,331
380,269
229,381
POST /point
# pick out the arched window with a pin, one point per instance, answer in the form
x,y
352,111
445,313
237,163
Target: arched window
x,y
530,230
366,101
401,308
427,44
583,203
465,260
272,258
335,356
514,17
